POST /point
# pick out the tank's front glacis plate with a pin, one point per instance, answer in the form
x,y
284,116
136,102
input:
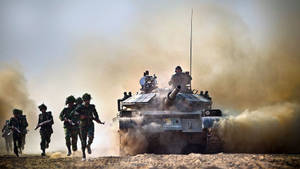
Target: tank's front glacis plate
x,y
175,121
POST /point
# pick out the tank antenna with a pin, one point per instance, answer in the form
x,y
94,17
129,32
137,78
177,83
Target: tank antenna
x,y
191,43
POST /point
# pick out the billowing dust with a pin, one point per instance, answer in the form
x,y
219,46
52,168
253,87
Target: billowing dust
x,y
14,94
269,129
255,82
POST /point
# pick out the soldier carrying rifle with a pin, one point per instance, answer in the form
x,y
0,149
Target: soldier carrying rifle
x,y
45,124
14,125
71,125
87,113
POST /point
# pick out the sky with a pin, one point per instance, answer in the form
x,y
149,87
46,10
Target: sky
x,y
38,35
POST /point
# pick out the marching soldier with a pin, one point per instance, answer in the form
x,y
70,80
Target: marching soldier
x,y
23,128
71,127
45,123
87,113
14,125
7,134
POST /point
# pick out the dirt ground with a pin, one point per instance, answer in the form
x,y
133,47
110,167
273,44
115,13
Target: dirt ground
x,y
212,161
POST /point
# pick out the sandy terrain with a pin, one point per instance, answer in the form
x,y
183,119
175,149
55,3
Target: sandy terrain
x,y
156,161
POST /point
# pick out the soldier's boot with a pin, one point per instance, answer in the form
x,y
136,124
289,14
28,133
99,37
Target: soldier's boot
x,y
43,153
89,149
69,150
89,145
16,152
47,144
74,147
83,154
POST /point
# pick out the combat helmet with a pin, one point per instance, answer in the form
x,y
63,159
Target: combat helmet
x,y
70,99
178,68
86,97
42,106
79,101
17,111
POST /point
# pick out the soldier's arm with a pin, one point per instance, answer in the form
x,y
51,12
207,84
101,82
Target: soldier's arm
x,y
62,115
3,128
51,118
95,114
11,124
25,122
172,80
39,122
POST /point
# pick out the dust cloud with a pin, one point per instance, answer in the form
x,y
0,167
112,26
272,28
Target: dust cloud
x,y
269,129
14,94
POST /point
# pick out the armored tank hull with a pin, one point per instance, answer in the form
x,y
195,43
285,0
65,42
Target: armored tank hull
x,y
168,121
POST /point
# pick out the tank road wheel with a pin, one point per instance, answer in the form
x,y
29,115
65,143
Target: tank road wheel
x,y
213,142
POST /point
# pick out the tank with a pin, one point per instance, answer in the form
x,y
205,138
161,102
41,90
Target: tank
x,y
176,120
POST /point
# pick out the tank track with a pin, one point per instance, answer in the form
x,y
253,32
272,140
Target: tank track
x,y
213,143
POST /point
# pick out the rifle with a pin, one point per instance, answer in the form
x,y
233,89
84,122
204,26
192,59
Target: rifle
x,y
16,129
43,123
70,122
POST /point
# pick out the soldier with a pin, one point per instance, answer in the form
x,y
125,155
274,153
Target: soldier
x,y
23,128
76,117
71,128
14,125
45,123
180,78
87,113
7,134
147,82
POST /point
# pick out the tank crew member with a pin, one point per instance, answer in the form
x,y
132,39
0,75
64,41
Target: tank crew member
x,y
71,128
7,134
147,82
14,125
143,79
87,113
180,78
23,128
45,123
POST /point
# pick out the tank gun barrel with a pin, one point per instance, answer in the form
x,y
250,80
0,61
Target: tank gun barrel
x,y
172,95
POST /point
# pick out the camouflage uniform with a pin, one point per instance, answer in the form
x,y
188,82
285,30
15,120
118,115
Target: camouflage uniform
x,y
86,113
23,128
7,134
46,129
71,125
15,124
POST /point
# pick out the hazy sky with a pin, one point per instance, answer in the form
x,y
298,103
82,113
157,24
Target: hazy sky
x,y
40,35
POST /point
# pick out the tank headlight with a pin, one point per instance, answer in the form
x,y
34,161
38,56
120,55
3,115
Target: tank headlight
x,y
207,113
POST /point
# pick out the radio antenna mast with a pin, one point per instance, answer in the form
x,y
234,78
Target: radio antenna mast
x,y
191,43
